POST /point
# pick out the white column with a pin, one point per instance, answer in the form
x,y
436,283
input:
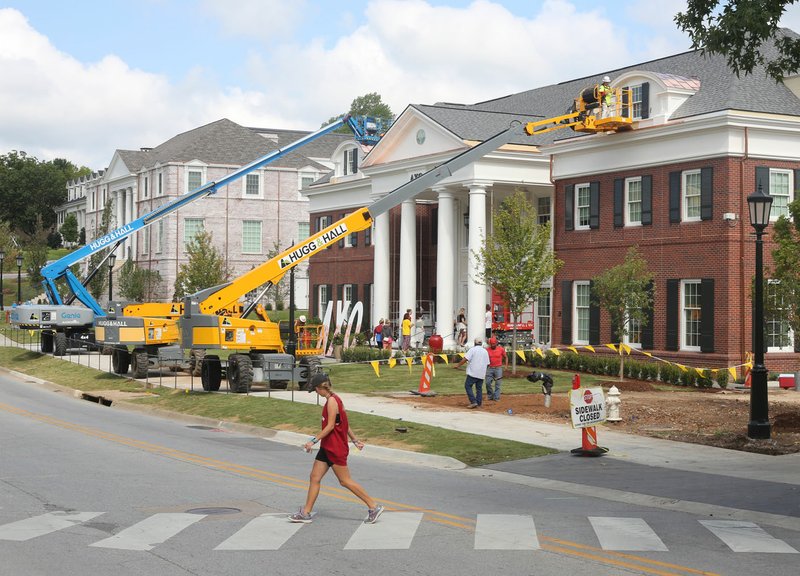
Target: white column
x,y
446,257
380,268
476,290
131,218
119,203
407,293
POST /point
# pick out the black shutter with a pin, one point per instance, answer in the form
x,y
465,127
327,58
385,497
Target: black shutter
x,y
594,205
625,101
647,328
706,193
367,291
566,312
674,197
645,100
569,207
647,199
707,315
796,184
615,335
594,318
762,178
341,242
368,236
619,202
339,292
673,313
314,310
354,239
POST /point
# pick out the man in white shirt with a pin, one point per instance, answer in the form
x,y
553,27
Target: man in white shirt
x,y
478,360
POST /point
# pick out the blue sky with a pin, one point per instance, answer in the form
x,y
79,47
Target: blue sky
x,y
83,78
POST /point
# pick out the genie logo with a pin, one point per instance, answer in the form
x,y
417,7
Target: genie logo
x,y
70,315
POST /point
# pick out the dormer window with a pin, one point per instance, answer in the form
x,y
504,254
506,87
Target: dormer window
x,y
350,165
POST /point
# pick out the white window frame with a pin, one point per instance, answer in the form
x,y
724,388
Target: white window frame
x,y
542,216
303,231
776,211
186,237
259,249
259,195
312,176
543,325
193,168
634,328
322,299
347,293
636,101
584,187
323,222
685,196
686,314
789,334
348,161
630,203
580,313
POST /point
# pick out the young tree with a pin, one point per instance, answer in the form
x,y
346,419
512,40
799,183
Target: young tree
x,y
69,229
517,259
782,297
205,268
138,284
737,29
35,251
625,292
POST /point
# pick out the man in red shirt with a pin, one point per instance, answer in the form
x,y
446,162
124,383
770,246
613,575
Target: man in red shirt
x,y
494,373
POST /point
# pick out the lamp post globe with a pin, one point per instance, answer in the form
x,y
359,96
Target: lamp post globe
x,y
758,428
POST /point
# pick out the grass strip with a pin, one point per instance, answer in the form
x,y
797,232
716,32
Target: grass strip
x,y
472,449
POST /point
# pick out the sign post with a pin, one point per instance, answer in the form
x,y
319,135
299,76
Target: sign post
x,y
587,406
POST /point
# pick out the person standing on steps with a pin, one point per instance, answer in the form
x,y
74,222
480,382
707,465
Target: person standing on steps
x,y
332,454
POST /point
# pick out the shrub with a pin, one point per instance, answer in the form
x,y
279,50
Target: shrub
x,y
364,354
722,378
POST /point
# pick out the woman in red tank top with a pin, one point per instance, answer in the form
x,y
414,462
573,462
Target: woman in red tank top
x,y
333,453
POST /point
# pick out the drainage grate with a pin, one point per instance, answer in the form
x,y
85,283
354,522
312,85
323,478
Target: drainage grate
x,y
212,511
98,399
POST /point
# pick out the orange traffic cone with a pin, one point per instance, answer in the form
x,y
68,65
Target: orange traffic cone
x,y
425,379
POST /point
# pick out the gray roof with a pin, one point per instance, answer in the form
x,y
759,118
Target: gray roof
x,y
226,142
720,89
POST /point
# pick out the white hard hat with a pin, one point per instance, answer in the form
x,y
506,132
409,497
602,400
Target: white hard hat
x,y
302,318
606,79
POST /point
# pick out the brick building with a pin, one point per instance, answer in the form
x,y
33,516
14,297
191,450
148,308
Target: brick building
x,y
247,219
675,186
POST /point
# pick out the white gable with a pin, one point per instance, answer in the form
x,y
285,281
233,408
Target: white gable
x,y
116,169
413,135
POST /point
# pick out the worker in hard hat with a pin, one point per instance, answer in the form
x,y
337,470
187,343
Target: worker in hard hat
x,y
303,337
605,95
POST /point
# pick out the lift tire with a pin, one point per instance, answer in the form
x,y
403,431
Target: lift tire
x,y
46,340
139,363
60,344
309,365
196,361
277,384
240,373
120,360
211,373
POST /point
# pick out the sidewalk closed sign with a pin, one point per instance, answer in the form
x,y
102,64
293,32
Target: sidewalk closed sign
x,y
587,406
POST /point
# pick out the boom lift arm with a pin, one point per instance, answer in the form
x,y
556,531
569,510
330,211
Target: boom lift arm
x,y
61,268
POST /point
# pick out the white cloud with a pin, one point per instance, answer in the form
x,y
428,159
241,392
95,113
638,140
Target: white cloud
x,y
266,20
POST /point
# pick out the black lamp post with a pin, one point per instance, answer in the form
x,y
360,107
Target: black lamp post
x,y
19,278
758,428
2,259
112,259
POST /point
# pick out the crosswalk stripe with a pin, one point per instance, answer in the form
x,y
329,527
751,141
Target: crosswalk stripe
x,y
150,532
267,532
505,532
394,531
632,534
40,525
746,537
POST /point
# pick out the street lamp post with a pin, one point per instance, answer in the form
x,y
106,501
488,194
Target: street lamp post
x,y
2,260
19,278
758,428
112,259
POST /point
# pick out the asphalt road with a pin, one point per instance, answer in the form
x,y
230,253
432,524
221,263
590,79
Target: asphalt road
x,y
88,489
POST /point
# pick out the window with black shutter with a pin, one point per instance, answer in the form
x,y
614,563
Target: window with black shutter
x,y
674,197
566,312
673,314
647,328
594,205
594,318
707,315
647,200
569,206
706,193
619,202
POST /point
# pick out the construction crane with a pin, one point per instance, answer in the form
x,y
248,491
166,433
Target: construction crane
x,y
61,322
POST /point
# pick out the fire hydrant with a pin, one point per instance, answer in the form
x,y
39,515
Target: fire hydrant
x,y
613,403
